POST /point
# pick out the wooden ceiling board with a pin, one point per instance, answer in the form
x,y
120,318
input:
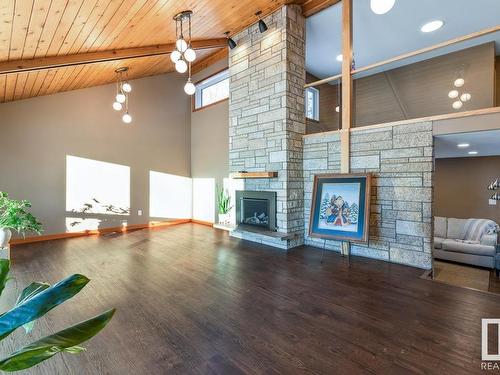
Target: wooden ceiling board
x,y
34,29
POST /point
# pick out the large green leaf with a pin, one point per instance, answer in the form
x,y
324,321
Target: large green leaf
x,y
41,303
62,341
4,273
29,292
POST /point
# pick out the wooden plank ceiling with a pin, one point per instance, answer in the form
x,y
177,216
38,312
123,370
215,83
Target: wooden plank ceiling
x,y
31,29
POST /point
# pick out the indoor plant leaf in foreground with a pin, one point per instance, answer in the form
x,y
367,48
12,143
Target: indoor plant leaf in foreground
x,y
29,292
66,340
41,303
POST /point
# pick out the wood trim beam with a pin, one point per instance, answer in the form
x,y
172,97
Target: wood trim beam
x,y
428,49
311,7
448,116
209,60
42,63
347,89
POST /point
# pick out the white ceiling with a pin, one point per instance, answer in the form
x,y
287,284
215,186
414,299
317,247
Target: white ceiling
x,y
486,143
379,37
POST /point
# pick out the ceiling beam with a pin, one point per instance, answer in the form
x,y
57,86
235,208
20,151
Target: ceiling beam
x,y
218,55
42,63
310,7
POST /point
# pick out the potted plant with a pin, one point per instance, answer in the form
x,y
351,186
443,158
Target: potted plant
x,y
14,216
223,206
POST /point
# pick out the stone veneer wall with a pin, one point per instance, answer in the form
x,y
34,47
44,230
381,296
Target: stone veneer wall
x,y
401,160
266,115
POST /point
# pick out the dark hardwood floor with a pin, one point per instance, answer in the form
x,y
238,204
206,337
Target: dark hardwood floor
x,y
191,300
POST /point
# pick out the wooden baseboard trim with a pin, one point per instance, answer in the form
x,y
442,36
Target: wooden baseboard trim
x,y
207,223
59,236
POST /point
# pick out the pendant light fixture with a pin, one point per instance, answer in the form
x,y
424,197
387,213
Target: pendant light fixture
x,y
123,88
184,54
262,24
189,87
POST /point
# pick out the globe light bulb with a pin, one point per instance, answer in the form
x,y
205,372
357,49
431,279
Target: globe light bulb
x,y
120,97
453,94
126,87
126,118
457,104
189,87
175,56
381,6
190,55
465,97
181,66
459,82
117,106
181,45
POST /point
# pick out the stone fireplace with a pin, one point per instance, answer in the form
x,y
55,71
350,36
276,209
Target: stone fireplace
x,y
256,209
266,121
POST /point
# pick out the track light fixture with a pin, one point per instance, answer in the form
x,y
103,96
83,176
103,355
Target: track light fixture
x,y
230,42
262,24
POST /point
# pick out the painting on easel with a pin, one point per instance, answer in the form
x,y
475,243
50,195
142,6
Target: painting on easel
x,y
340,208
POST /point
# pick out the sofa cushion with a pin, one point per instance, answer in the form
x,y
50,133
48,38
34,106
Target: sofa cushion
x,y
476,228
438,242
440,224
456,229
468,248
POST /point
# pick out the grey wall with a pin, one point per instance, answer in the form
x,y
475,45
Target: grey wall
x,y
38,133
210,136
400,159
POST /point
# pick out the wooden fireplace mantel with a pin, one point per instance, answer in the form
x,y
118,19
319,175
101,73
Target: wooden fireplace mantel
x,y
254,175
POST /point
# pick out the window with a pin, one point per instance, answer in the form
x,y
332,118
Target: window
x,y
212,90
312,103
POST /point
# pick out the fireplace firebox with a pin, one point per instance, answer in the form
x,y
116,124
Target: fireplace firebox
x,y
256,209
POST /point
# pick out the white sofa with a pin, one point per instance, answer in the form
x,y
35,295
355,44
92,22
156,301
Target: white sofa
x,y
466,241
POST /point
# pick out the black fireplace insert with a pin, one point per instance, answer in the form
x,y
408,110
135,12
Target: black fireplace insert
x,y
256,208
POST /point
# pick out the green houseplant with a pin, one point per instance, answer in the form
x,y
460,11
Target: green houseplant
x,y
36,300
14,216
223,205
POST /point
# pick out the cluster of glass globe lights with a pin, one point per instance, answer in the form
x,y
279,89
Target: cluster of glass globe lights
x,y
121,98
183,54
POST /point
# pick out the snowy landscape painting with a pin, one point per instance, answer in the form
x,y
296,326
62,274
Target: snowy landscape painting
x,y
340,207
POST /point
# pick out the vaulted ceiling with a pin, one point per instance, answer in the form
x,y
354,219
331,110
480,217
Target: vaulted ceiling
x,y
37,29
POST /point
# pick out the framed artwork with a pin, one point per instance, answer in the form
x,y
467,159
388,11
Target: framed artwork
x,y
340,208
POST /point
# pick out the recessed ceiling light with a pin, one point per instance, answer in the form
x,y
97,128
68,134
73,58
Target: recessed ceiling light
x,y
431,26
339,58
472,152
463,145
381,6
